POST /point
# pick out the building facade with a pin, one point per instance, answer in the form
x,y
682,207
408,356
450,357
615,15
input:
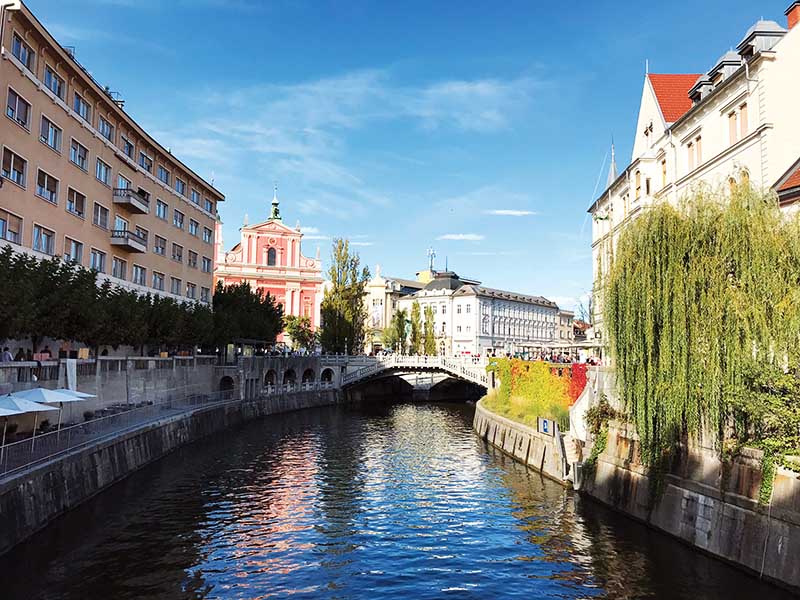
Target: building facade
x,y
735,124
471,319
269,257
80,179
382,297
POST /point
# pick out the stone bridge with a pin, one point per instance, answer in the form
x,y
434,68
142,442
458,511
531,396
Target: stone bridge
x,y
459,368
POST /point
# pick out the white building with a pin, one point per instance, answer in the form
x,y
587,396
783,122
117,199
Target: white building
x,y
472,319
737,122
382,297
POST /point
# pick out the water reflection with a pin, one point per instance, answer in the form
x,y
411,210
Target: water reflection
x,y
395,501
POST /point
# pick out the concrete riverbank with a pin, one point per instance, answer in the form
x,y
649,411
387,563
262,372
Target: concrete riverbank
x,y
31,499
540,451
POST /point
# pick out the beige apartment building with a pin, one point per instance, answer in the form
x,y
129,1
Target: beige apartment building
x,y
81,180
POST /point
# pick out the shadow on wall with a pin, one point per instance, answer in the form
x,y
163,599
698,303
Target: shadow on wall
x,y
456,390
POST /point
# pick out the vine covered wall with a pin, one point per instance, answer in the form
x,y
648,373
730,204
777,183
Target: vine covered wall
x,y
702,305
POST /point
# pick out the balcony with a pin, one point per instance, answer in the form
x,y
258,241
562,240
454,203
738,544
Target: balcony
x,y
129,240
132,200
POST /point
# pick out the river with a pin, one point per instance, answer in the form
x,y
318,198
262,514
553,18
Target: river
x,y
393,501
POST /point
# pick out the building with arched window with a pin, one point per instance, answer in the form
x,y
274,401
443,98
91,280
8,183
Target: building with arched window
x,y
270,258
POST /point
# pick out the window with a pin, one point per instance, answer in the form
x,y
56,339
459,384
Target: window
x,y
145,162
743,124
458,328
444,309
206,235
100,216
195,196
98,261
73,250
105,128
468,307
50,134
119,268
732,127
161,210
23,52
82,108
191,291
123,183
638,184
176,286
192,260
18,109
209,206
272,257
127,147
177,252
79,154
194,226
698,148
47,187
76,203
180,186
177,218
647,186
158,281
458,309
163,174
43,239
120,224
139,275
664,173
205,295
206,265
690,151
10,227
143,233
103,172
160,246
53,82
15,167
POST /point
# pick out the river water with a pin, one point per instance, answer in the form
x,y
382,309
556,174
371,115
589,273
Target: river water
x,y
395,501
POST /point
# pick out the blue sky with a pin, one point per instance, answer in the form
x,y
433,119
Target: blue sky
x,y
478,128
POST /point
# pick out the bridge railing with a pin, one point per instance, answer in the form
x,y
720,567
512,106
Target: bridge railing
x,y
466,367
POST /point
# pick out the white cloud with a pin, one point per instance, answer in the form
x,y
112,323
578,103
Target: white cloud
x,y
508,212
361,243
309,230
461,237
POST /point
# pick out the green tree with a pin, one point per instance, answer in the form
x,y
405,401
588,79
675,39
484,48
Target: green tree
x,y
300,330
243,313
343,310
429,337
398,327
389,338
415,343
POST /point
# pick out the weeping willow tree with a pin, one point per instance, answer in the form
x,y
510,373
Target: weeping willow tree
x,y
698,298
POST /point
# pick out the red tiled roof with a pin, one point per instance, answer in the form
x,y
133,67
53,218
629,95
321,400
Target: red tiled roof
x,y
672,92
792,182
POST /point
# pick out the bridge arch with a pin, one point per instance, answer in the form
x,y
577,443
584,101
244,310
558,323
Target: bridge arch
x,y
326,376
289,376
309,376
227,387
271,377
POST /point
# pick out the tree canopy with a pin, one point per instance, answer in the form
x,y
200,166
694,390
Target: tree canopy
x,y
415,341
343,310
429,334
300,331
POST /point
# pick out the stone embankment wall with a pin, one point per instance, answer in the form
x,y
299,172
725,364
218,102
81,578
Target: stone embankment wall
x,y
708,504
31,500
540,451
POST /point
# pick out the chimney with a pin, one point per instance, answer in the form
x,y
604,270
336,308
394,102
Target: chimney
x,y
793,14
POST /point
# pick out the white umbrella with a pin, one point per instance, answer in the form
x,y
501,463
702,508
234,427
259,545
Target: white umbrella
x,y
20,406
47,396
5,413
75,393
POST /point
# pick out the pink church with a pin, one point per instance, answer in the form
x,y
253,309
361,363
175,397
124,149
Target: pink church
x,y
269,256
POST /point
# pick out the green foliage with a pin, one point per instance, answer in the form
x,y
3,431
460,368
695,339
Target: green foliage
x,y
243,313
528,390
429,335
600,445
343,310
598,415
702,305
768,469
300,330
395,334
415,343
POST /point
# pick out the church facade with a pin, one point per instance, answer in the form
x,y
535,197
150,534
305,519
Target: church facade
x,y
269,256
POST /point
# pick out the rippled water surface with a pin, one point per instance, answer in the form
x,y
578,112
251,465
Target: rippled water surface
x,y
397,501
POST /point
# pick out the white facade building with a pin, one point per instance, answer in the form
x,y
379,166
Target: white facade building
x,y
476,320
382,298
738,122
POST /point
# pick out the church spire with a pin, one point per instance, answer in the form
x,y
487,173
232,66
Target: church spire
x,y
612,168
275,215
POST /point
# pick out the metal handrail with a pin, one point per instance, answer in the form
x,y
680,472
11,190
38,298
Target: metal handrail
x,y
126,192
128,234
